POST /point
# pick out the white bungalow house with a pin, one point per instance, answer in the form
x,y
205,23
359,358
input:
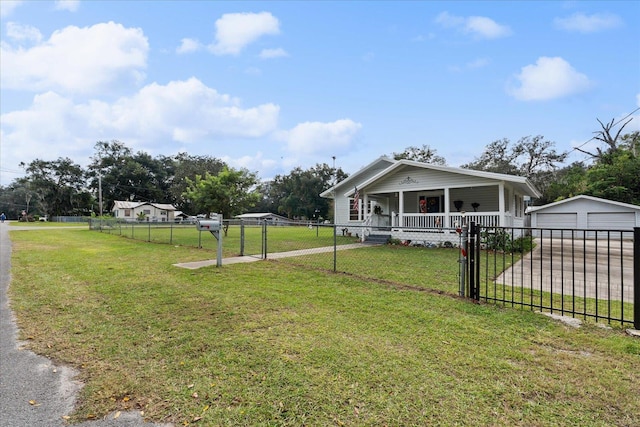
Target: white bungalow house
x,y
405,195
133,211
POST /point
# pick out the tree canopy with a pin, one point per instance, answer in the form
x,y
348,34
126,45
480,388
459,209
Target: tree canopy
x,y
202,184
230,192
425,154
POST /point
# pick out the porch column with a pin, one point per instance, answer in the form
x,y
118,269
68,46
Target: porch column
x,y
401,209
365,204
501,203
447,220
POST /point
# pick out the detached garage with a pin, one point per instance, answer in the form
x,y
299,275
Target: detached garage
x,y
586,212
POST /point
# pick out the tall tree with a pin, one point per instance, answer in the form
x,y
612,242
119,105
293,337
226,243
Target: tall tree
x,y
297,195
58,186
105,170
568,182
230,192
616,176
426,154
532,157
187,166
122,175
609,136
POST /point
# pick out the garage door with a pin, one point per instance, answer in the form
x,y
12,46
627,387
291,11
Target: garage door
x,y
557,220
611,220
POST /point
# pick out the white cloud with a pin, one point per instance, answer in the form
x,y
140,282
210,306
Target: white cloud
x,y
21,33
77,60
234,31
252,163
273,53
157,118
588,23
188,45
317,137
478,26
549,78
8,6
70,5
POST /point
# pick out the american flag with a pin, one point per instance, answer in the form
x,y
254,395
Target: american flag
x,y
356,200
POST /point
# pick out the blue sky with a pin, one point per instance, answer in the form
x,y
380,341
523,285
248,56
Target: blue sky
x,y
270,86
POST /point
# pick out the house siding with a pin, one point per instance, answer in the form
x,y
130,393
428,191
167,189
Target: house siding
x,y
412,179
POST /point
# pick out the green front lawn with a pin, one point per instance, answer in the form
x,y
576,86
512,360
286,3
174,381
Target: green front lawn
x,y
274,344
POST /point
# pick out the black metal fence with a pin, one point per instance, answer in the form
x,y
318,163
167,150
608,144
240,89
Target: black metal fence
x,y
579,273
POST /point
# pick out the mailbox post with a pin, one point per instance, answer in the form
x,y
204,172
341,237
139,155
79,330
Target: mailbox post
x,y
213,225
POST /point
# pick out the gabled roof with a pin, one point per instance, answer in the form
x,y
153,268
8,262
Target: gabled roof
x,y
260,215
583,197
123,204
354,179
519,181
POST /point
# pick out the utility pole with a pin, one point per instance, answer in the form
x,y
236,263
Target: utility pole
x,y
100,192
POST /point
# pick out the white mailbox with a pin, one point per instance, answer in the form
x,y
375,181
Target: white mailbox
x,y
214,226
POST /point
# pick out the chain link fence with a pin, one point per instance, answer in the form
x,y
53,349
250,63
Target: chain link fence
x,y
423,259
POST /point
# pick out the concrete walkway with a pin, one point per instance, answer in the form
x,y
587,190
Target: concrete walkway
x,y
277,255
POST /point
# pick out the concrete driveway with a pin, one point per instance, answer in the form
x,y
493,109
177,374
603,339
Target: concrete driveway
x,y
584,268
35,392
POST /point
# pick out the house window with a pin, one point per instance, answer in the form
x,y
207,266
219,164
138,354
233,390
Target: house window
x,y
147,211
127,212
353,213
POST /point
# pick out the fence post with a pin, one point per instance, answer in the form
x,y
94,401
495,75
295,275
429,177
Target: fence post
x,y
463,259
335,248
242,237
472,261
636,278
264,239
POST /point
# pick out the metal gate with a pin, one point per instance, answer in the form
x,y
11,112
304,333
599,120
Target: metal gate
x,y
577,273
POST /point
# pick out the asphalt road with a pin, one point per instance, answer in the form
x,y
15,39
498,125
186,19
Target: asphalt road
x,y
34,392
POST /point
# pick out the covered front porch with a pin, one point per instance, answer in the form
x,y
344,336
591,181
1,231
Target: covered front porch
x,y
444,208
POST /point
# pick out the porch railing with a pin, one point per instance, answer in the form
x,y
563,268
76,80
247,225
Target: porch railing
x,y
420,220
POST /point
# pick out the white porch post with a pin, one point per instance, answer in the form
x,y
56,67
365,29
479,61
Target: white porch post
x,y
365,203
401,209
447,220
501,204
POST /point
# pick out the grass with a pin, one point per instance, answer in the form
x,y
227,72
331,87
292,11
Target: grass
x,y
271,344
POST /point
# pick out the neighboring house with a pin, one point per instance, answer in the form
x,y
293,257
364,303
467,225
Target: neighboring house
x,y
180,216
155,212
406,195
585,213
262,216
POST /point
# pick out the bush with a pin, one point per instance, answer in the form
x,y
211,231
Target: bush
x,y
500,240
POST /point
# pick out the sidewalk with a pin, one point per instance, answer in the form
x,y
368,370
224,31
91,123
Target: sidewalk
x,y
277,255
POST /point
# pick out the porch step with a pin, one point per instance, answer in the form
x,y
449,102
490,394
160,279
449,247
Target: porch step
x,y
377,239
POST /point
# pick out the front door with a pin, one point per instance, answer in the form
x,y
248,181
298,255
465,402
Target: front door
x,y
429,204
